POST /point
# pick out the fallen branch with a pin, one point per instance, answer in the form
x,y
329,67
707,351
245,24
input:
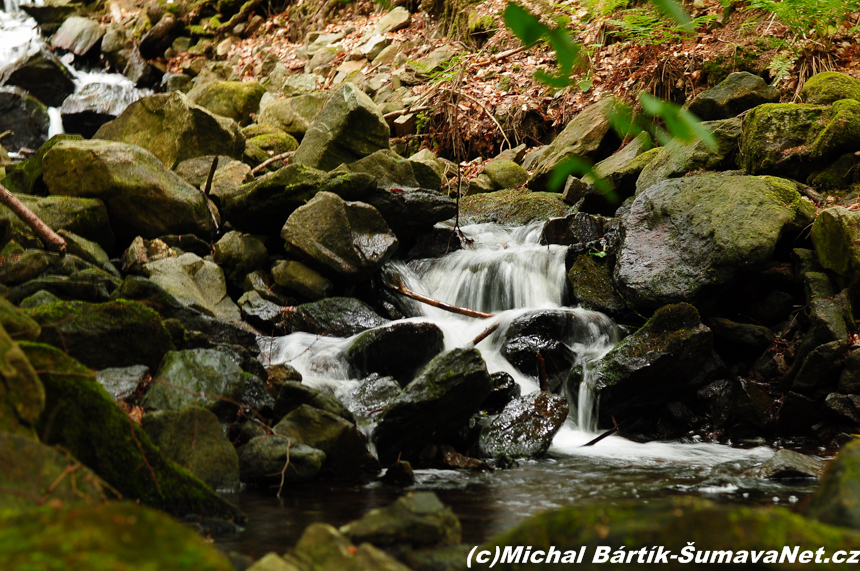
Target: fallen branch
x,y
541,366
400,288
282,157
212,169
52,240
5,134
485,333
609,432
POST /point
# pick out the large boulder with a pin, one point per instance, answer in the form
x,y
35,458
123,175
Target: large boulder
x,y
433,406
397,350
349,127
25,177
174,129
828,87
293,115
42,75
142,197
667,360
238,100
322,548
525,427
195,282
271,459
348,239
738,92
683,238
387,167
836,236
332,317
100,335
22,396
25,116
77,35
837,500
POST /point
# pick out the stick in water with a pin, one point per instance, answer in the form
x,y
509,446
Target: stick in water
x,y
484,334
400,288
52,240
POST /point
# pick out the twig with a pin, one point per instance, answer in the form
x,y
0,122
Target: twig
x,y
487,111
609,432
209,178
70,469
400,288
52,240
282,157
541,366
284,471
484,334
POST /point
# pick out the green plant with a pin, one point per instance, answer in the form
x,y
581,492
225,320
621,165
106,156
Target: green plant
x,y
645,26
816,19
600,8
781,66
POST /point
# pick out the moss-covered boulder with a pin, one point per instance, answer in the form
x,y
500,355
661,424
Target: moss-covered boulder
x,y
349,127
387,167
837,500
100,335
436,404
293,115
683,239
142,197
263,461
829,87
107,537
113,446
293,394
174,129
263,147
17,324
335,316
620,171
238,100
25,177
194,282
514,207
738,92
505,174
194,439
22,396
592,287
86,217
322,548
836,236
349,240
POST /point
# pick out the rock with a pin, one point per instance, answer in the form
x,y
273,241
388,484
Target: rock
x,y
416,519
505,390
174,129
25,116
525,428
667,360
747,335
300,84
346,454
349,127
323,548
239,255
196,283
77,35
348,239
836,236
789,465
263,147
332,317
114,535
740,91
263,459
849,379
293,115
141,196
844,407
683,238
301,280
141,72
50,14
116,47
514,207
292,395
371,396
230,174
259,312
75,280
620,170
238,100
576,228
159,37
441,398
396,19
176,82
263,205
505,174
481,184
22,396
121,382
828,87
42,75
428,169
26,177
387,167
587,136
374,46
196,377
85,217
836,501
114,447
680,157
113,334
17,324
592,287
194,439
398,349
821,366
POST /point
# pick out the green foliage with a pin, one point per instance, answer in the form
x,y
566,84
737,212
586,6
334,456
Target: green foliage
x,y
781,66
810,18
601,8
645,26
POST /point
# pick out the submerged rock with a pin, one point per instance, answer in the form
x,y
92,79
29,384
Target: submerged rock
x,y
525,428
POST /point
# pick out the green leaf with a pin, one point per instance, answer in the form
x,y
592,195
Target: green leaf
x,y
674,11
521,22
585,85
579,166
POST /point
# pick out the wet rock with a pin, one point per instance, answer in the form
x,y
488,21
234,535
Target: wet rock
x,y
293,115
141,196
821,366
788,465
829,87
113,447
745,334
196,377
42,75
417,519
505,390
77,35
592,287
121,382
844,407
259,312
195,283
348,239
263,459
323,548
399,474
576,228
237,100
435,243
22,395
441,398
683,238
333,317
666,360
370,398
836,501
740,91
799,413
849,378
514,207
525,428
301,280
349,127
112,334
25,116
680,157
292,395
239,255
86,217
345,451
174,129
194,439
753,405
398,350
588,135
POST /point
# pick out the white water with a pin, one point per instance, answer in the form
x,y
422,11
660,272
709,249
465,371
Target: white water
x,y
507,272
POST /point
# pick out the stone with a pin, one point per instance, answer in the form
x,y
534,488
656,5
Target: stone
x,y
86,110
25,116
737,93
116,47
525,427
140,72
592,287
301,280
141,196
300,84
505,174
349,127
293,115
374,46
263,147
194,282
387,167
396,349
348,239
828,87
121,383
323,548
849,378
513,207
230,174
115,448
396,19
371,396
435,404
846,408
207,378
42,75
22,395
746,334
160,36
836,500
292,395
85,217
16,323
239,255
101,335
259,312
820,367
836,237
238,100
683,239
172,128
332,317
194,439
77,35
263,459
479,185
788,465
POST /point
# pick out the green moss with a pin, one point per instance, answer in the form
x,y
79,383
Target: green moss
x,y
512,206
828,87
22,396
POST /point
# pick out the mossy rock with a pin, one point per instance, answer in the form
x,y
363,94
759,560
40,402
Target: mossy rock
x,y
26,177
22,395
17,323
293,115
514,207
592,286
837,500
836,236
238,100
83,418
101,335
505,174
263,147
829,87
108,537
86,217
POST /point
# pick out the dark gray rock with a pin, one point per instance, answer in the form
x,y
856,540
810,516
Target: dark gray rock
x,y
292,395
262,461
844,407
334,316
121,383
398,349
25,116
738,92
525,428
42,75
